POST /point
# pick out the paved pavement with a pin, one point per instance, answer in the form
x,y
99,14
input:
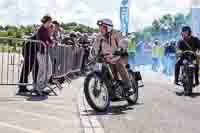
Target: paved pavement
x,y
159,110
37,115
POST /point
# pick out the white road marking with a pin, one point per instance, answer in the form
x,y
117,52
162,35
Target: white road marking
x,y
36,115
89,123
18,128
88,130
50,105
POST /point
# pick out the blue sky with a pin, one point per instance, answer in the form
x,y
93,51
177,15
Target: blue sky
x,y
142,12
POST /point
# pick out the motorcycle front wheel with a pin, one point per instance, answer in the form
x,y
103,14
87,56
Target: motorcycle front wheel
x,y
188,82
96,93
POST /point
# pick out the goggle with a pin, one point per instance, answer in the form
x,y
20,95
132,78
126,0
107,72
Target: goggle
x,y
100,23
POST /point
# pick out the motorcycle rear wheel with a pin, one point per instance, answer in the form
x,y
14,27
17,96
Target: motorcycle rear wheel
x,y
134,97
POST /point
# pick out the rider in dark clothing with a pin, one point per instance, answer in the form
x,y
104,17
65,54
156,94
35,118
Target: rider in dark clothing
x,y
188,43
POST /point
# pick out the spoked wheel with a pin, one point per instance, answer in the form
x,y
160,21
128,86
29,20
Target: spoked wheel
x,y
134,97
188,83
96,93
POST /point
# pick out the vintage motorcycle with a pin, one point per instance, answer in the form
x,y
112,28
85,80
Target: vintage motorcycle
x,y
187,71
100,88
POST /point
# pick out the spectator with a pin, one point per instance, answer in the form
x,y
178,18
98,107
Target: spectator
x,y
43,57
170,53
52,32
155,56
73,37
84,40
58,32
161,55
68,41
29,53
132,51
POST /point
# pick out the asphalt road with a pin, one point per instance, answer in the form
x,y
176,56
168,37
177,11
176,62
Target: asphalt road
x,y
159,110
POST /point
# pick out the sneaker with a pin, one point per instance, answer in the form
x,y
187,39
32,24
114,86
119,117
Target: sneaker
x,y
38,91
46,93
22,91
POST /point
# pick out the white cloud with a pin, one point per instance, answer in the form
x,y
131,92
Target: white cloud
x,y
142,12
83,11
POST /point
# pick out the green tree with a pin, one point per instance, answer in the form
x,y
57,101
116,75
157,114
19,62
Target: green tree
x,y
19,34
179,21
9,27
1,27
156,25
167,19
4,34
11,33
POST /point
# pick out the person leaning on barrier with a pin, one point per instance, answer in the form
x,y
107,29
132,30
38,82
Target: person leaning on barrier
x,y
44,60
29,53
85,44
34,55
108,41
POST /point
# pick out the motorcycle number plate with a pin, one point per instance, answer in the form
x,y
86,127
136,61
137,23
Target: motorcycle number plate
x,y
99,66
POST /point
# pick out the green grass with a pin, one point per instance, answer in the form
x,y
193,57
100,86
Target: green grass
x,y
10,49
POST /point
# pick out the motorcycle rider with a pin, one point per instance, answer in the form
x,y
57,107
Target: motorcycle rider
x,y
106,42
187,43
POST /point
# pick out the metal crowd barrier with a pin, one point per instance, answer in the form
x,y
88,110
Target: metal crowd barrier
x,y
66,59
29,63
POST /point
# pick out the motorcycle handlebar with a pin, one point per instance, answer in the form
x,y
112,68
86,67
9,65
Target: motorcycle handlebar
x,y
189,52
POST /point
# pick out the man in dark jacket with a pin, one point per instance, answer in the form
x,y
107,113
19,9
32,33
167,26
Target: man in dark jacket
x,y
29,54
188,43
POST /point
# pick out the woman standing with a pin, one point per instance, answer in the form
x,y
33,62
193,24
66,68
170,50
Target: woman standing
x,y
44,61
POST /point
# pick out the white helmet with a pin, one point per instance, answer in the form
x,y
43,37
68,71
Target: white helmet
x,y
106,22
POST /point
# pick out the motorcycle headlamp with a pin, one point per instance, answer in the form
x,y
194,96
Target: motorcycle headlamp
x,y
185,61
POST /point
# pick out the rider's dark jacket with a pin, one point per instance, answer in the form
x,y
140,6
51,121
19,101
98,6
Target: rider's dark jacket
x,y
193,42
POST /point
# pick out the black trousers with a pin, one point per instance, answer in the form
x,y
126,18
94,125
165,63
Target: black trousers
x,y
85,60
30,64
178,64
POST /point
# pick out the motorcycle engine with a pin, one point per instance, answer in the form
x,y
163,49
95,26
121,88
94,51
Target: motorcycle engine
x,y
118,90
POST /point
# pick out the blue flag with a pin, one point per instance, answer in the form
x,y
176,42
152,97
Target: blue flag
x,y
124,16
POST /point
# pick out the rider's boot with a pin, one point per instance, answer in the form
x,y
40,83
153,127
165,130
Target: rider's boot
x,y
196,83
176,80
197,77
128,87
